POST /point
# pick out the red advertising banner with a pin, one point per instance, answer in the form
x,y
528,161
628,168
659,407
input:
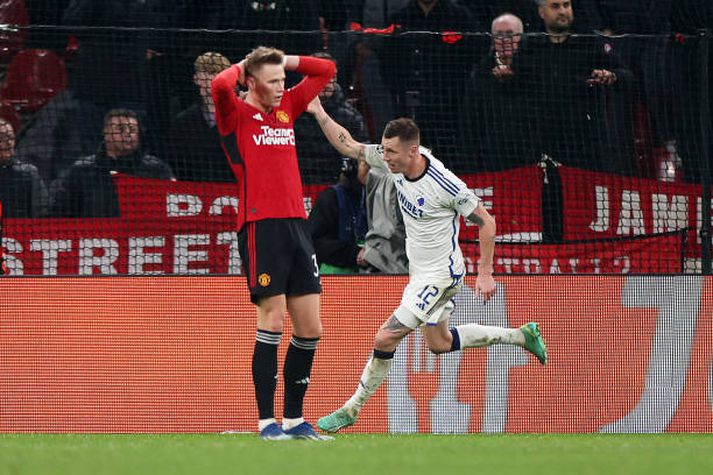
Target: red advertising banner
x,y
514,197
169,227
599,206
172,354
661,254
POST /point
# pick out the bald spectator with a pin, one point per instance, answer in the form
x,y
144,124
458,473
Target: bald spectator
x,y
495,126
568,79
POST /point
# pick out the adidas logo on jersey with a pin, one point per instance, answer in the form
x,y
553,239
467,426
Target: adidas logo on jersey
x,y
257,116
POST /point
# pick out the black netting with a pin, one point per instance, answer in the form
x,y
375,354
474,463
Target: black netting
x,y
577,142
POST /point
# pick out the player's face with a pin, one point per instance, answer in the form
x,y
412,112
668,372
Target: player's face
x,y
557,15
398,154
268,85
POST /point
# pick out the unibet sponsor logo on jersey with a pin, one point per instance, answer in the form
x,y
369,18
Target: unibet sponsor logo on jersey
x,y
409,207
272,136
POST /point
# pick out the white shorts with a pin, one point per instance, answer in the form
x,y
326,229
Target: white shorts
x,y
426,303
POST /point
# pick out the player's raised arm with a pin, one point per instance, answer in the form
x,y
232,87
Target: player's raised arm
x,y
338,136
317,71
224,97
485,284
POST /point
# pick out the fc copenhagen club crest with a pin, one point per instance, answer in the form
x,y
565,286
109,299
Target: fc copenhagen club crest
x,y
283,117
264,280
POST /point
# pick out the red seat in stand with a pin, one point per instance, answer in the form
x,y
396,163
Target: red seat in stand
x,y
13,15
33,77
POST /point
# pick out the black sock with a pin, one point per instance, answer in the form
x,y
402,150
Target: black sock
x,y
265,371
298,365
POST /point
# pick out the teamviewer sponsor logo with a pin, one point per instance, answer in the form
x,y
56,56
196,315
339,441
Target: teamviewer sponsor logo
x,y
272,136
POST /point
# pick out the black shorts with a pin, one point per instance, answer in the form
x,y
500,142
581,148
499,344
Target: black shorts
x,y
278,258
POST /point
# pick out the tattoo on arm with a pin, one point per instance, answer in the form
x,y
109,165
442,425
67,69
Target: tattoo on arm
x,y
393,324
341,137
474,218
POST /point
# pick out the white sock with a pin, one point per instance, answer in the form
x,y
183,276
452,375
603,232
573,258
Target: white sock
x,y
288,424
374,373
262,423
476,336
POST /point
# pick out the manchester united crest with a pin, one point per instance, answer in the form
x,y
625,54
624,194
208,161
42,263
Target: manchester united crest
x,y
283,117
263,280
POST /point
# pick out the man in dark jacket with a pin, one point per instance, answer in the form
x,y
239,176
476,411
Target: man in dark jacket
x,y
338,221
194,150
86,189
495,128
569,78
22,191
317,155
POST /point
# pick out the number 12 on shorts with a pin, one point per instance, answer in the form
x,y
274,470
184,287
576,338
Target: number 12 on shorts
x,y
425,295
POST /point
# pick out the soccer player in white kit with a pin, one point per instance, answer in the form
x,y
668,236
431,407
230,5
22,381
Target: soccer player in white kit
x,y
432,200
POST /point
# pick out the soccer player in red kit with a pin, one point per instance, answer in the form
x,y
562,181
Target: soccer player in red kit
x,y
274,242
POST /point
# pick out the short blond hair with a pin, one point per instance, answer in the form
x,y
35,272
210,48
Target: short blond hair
x,y
211,63
262,55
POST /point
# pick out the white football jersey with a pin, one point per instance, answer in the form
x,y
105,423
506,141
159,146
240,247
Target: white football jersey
x,y
431,206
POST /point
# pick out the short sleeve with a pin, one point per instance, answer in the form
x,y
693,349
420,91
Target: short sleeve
x,y
465,201
374,156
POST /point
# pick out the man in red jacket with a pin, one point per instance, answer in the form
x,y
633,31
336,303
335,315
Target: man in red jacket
x,y
274,241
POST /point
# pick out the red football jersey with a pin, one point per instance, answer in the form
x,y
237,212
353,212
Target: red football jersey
x,y
261,147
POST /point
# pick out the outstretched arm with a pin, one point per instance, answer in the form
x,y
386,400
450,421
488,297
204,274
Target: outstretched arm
x,y
338,136
484,283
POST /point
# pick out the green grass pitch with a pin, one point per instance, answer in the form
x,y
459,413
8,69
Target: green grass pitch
x,y
74,454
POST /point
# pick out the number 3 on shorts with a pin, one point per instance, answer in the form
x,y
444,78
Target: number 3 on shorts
x,y
316,267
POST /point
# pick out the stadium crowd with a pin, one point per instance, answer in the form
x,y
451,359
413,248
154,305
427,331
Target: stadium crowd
x,y
603,85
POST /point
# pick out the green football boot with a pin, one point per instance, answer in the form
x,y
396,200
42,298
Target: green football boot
x,y
336,420
534,343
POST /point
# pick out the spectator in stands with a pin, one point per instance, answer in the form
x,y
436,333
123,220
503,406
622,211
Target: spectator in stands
x,y
86,189
51,139
22,191
425,73
338,221
194,150
569,77
317,154
588,16
495,119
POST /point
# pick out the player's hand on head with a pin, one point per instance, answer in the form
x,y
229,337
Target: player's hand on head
x,y
485,286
